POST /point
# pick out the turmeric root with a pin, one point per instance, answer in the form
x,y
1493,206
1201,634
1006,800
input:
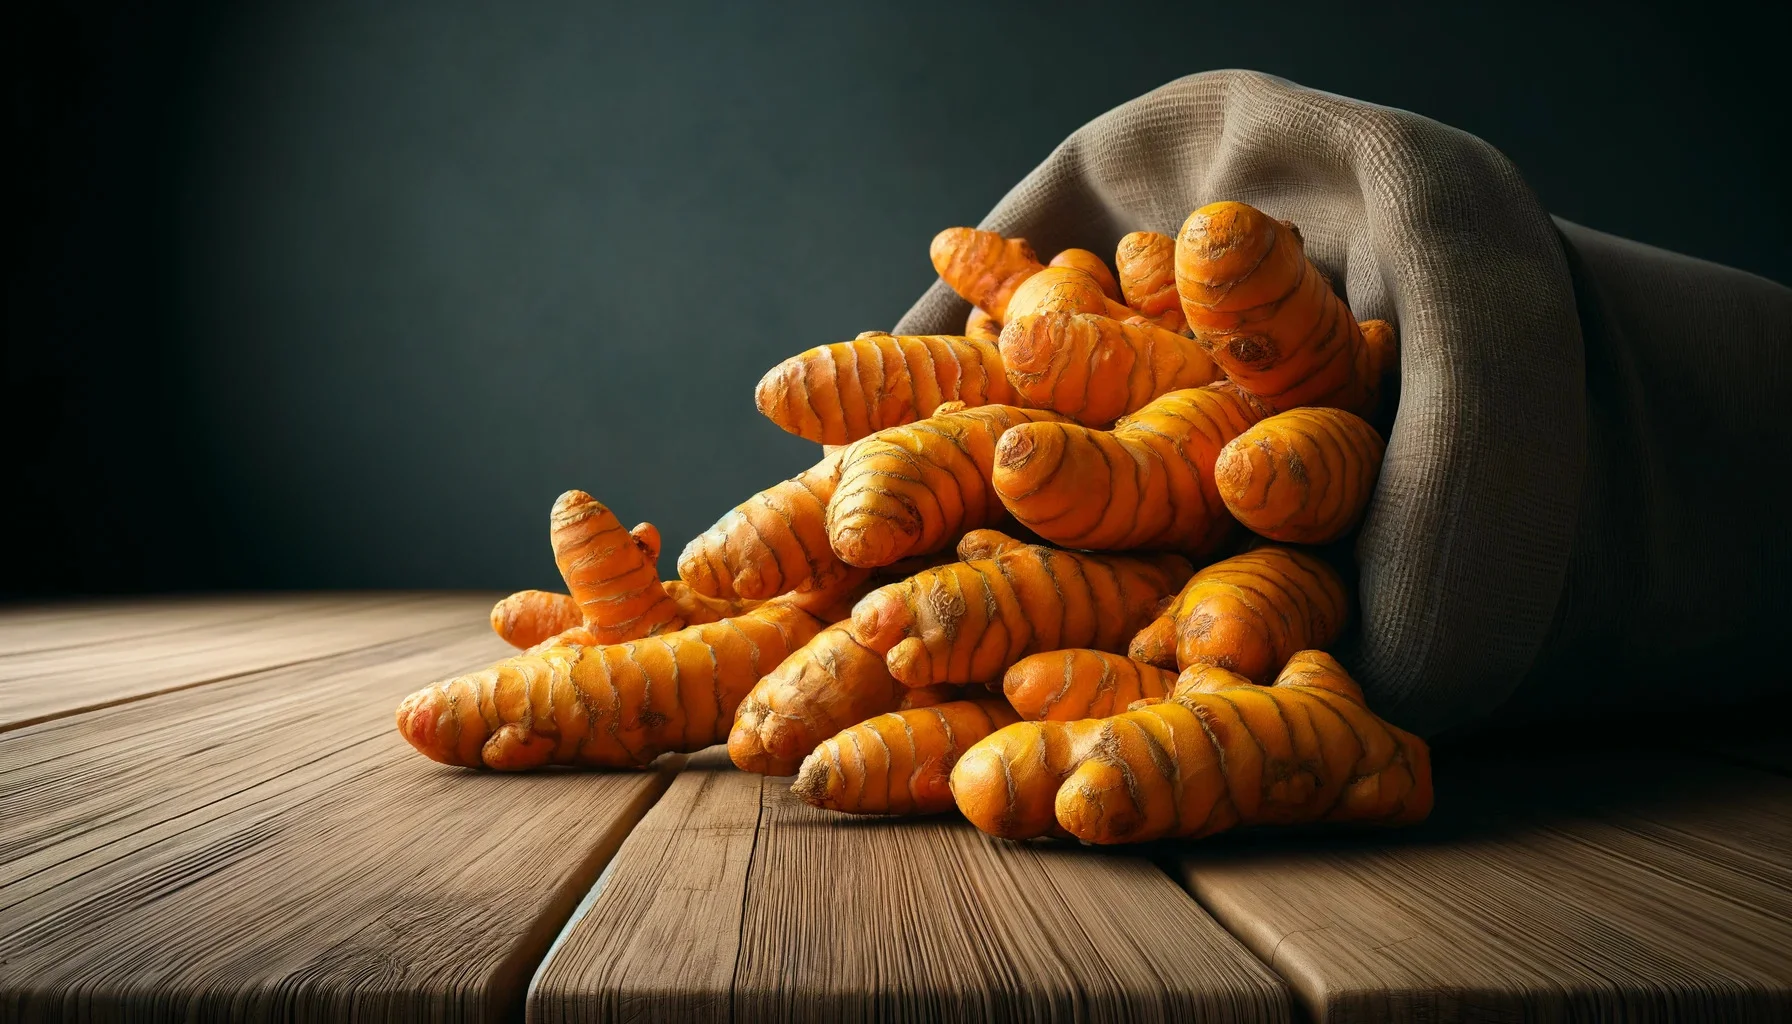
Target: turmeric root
x,y
967,621
928,696
528,617
1091,264
828,684
980,326
1067,685
1303,476
983,267
1148,483
1221,752
1146,261
610,572
838,393
1268,317
772,543
908,490
1063,290
898,763
611,705
1248,614
1094,369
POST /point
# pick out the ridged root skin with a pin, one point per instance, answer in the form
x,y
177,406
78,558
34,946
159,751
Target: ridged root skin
x,y
983,267
609,705
773,543
967,621
1248,614
1057,686
1097,268
1267,315
1148,483
1063,290
1304,476
828,684
909,490
610,572
1094,369
528,617
900,762
835,394
1146,265
1220,753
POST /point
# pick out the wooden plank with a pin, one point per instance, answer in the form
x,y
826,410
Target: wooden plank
x,y
735,901
268,847
25,629
40,685
1603,885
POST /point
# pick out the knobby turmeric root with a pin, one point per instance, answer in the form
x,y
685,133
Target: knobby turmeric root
x,y
1094,369
908,490
528,617
839,393
928,696
898,763
967,621
1221,752
1067,685
1248,614
1303,476
1148,483
772,543
828,684
613,705
983,267
980,326
1091,264
1063,290
1268,317
1146,262
610,572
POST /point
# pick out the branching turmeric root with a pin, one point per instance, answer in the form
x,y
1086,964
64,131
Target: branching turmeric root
x,y
1303,476
828,684
1094,369
1148,483
967,621
839,393
1222,752
983,267
610,571
772,543
910,489
1268,317
898,763
1067,685
1248,614
612,706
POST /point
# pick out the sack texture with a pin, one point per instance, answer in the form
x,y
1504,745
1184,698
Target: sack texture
x,y
1585,484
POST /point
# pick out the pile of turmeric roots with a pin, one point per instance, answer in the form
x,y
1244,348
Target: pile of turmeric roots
x,y
1064,572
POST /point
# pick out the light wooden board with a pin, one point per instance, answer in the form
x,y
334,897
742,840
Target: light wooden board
x,y
734,901
39,627
71,676
1643,886
267,847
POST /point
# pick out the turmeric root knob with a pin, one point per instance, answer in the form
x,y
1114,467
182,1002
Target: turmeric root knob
x,y
528,617
983,267
1095,369
838,393
898,763
828,684
1304,476
610,572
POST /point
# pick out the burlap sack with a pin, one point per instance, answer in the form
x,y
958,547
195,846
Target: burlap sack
x,y
1584,494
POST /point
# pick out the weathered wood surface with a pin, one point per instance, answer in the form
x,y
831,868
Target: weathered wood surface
x,y
266,846
732,900
1617,885
114,653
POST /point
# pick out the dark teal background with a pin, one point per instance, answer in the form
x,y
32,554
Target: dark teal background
x,y
343,294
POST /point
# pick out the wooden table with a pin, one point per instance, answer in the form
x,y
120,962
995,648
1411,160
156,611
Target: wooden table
x,y
205,813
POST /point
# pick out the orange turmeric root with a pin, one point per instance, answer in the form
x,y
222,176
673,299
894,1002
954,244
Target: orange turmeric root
x,y
1063,290
983,267
1094,369
613,705
1148,483
610,572
1221,752
908,490
1268,317
772,543
1146,261
1067,685
838,393
928,696
1303,476
980,326
1248,614
967,621
1091,264
528,617
830,683
898,763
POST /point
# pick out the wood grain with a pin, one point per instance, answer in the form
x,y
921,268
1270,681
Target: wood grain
x,y
37,627
735,901
266,847
124,659
1630,885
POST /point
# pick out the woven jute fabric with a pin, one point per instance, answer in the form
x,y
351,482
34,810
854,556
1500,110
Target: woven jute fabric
x,y
1584,492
